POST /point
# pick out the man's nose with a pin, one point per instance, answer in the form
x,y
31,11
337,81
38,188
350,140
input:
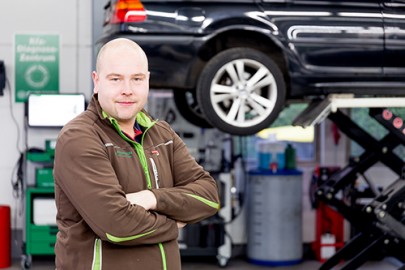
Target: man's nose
x,y
127,88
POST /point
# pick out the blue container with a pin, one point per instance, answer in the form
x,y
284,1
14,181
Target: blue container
x,y
264,161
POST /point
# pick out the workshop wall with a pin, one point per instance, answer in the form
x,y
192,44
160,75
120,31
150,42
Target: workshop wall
x,y
72,22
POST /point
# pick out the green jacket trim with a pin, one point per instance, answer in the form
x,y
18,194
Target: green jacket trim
x,y
117,239
144,120
97,255
162,251
207,202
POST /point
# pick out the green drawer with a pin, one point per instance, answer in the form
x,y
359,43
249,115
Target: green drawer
x,y
41,248
41,240
43,233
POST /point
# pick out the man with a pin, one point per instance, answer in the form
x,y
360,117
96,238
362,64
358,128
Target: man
x,y
124,183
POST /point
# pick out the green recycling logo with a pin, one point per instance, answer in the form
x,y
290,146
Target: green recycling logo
x,y
37,76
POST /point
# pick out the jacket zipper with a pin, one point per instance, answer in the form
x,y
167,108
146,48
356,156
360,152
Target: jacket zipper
x,y
142,157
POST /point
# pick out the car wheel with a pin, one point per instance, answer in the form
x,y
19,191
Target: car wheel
x,y
241,91
187,105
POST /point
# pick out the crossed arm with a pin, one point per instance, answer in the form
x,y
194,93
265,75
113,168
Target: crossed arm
x,y
147,200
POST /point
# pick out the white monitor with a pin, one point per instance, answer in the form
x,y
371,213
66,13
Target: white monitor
x,y
53,110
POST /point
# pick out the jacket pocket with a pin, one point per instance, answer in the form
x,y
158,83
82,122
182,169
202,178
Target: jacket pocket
x,y
155,172
159,162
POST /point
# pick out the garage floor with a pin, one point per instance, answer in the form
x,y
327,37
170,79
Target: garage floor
x,y
234,264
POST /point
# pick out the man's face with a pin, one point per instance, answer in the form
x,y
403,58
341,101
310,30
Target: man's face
x,y
122,84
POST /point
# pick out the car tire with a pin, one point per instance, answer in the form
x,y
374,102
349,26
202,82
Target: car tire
x,y
241,91
187,105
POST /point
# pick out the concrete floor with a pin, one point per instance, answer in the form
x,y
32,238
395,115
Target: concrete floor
x,y
203,263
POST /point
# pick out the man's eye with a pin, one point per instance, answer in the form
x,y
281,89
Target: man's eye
x,y
114,79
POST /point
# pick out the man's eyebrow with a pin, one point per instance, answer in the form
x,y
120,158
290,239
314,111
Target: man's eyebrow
x,y
113,75
139,75
120,75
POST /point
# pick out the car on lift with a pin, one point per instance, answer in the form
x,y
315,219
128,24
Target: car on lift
x,y
236,64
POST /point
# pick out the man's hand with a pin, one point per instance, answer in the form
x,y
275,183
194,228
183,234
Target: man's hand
x,y
144,198
180,224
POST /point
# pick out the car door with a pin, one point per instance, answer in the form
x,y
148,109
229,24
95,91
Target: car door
x,y
340,39
394,28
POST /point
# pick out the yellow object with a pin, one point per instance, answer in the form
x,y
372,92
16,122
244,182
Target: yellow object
x,y
289,133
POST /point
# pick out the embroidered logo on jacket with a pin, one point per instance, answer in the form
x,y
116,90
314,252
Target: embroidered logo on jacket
x,y
119,152
125,154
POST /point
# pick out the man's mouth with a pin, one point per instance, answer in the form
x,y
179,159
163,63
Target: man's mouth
x,y
125,102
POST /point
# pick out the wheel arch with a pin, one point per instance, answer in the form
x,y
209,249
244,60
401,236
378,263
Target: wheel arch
x,y
252,38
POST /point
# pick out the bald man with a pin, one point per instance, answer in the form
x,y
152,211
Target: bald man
x,y
124,182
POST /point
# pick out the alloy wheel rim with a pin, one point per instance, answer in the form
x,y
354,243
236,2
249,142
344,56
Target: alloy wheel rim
x,y
243,93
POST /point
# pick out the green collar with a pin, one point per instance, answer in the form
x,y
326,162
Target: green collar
x,y
141,118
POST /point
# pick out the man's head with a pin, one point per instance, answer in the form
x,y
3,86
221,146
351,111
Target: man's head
x,y
121,80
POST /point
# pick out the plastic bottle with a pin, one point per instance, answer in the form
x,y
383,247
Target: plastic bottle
x,y
290,158
264,150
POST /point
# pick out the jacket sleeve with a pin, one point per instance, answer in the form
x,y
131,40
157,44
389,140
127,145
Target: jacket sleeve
x,y
194,196
84,173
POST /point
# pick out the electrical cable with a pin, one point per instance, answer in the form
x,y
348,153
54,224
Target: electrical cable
x,y
241,199
228,166
13,117
227,234
16,183
241,195
17,172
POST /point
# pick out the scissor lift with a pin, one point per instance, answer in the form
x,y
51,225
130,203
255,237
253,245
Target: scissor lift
x,y
381,223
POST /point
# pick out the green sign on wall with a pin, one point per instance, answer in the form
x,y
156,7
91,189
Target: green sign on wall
x,y
36,65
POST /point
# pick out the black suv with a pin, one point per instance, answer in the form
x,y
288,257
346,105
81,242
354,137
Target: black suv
x,y
235,64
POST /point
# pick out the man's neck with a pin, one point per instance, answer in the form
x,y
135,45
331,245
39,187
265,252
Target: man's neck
x,y
128,128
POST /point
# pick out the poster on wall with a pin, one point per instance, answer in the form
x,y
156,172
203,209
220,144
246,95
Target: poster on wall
x,y
36,65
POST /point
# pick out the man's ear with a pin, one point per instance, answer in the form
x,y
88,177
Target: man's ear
x,y
94,76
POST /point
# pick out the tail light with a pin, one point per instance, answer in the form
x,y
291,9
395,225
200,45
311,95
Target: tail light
x,y
128,11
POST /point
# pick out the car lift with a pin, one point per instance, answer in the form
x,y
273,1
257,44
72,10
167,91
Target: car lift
x,y
380,224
